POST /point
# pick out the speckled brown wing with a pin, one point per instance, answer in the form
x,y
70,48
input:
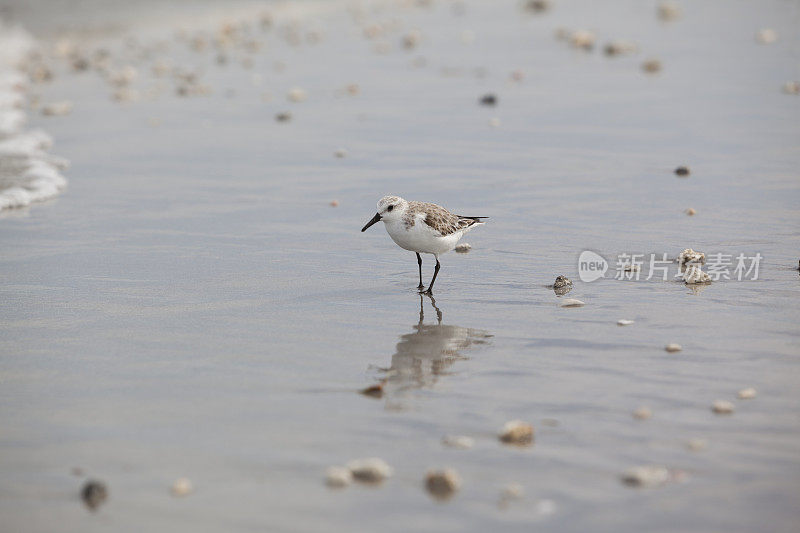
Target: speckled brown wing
x,y
441,220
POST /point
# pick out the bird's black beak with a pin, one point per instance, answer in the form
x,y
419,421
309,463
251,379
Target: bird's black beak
x,y
376,218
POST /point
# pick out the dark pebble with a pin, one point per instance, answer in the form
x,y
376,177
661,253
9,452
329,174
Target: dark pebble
x,y
682,171
283,117
489,99
94,493
373,391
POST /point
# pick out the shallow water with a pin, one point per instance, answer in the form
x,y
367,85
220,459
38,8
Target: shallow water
x,y
192,306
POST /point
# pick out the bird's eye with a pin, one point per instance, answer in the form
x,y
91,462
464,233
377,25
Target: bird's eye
x,y
390,208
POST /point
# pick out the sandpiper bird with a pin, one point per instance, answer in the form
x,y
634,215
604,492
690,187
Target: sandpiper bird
x,y
422,228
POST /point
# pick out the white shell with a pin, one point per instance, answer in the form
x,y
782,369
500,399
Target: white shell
x,y
624,322
297,95
459,442
747,394
572,302
182,487
463,248
338,477
646,476
722,407
673,347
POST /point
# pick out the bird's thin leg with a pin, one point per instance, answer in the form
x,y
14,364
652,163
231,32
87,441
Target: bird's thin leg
x,y
435,272
419,262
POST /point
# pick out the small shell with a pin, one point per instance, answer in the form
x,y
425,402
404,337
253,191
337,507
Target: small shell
x,y
651,66
582,39
624,322
297,94
572,302
334,203
697,445
766,36
673,347
57,109
338,477
517,432
690,211
463,248
668,11
747,394
181,487
459,442
442,484
642,413
646,476
371,470
722,407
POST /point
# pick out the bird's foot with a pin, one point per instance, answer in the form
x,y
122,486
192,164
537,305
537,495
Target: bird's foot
x,y
429,292
420,287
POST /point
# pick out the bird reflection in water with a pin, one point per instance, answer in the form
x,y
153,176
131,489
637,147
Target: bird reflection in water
x,y
424,355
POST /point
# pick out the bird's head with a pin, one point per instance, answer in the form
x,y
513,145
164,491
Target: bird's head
x,y
390,208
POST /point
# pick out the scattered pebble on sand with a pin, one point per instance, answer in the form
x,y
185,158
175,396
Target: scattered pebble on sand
x,y
283,117
766,36
297,94
373,391
643,413
371,470
694,275
583,39
669,11
572,302
517,432
617,48
463,248
673,347
94,493
624,322
696,445
747,394
338,477
488,100
690,256
57,109
691,211
646,476
182,487
791,87
682,171
442,484
459,442
340,153
722,407
537,6
651,66
334,203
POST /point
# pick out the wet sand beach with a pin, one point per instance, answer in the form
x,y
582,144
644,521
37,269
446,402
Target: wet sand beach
x,y
193,306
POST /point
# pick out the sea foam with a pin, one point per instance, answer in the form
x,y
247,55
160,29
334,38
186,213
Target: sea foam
x,y
28,173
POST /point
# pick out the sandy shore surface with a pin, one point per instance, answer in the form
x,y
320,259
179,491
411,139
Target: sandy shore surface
x,y
193,306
